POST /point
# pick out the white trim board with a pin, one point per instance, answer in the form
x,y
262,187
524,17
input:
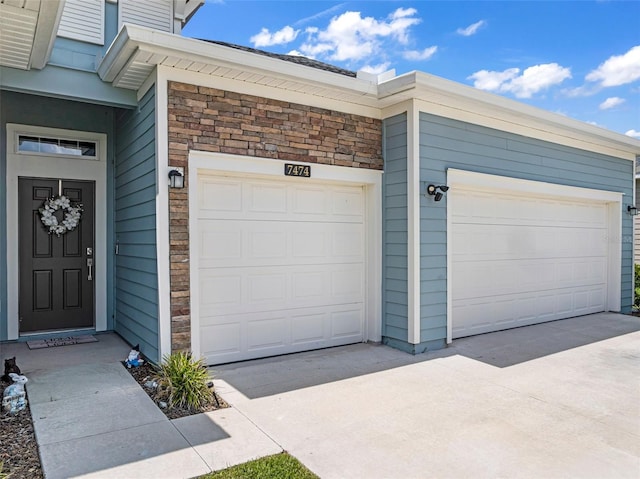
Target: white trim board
x,y
468,180
21,165
162,219
206,163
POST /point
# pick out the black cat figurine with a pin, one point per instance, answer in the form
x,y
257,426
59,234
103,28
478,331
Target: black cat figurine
x,y
10,366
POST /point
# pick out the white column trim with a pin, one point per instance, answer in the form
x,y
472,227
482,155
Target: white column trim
x,y
162,215
413,224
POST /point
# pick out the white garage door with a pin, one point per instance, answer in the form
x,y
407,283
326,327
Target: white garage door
x,y
280,266
519,260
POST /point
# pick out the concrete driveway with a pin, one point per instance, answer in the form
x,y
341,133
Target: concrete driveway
x,y
560,399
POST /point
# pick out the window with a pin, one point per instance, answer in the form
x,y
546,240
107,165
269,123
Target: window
x,y
57,146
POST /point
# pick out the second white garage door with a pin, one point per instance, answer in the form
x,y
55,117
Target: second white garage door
x,y
521,259
280,265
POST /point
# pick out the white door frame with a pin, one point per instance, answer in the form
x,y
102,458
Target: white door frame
x,y
56,166
483,181
201,162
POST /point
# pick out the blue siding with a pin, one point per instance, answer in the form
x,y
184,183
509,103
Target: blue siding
x,y
136,278
394,242
52,113
78,55
446,143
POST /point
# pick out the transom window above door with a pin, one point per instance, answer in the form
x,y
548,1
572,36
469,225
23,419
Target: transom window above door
x,y
29,144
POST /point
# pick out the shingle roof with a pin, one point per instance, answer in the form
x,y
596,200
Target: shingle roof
x,y
300,60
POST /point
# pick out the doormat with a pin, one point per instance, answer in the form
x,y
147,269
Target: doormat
x,y
68,341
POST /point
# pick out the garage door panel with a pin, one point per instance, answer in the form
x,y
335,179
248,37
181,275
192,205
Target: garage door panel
x,y
493,242
487,207
309,328
280,266
219,195
347,324
234,243
265,198
482,315
268,200
223,339
218,290
267,333
261,334
239,290
520,260
473,278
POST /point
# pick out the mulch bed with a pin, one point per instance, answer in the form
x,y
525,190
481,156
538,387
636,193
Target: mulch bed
x,y
18,447
146,372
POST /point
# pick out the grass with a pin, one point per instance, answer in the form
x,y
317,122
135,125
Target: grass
x,y
279,466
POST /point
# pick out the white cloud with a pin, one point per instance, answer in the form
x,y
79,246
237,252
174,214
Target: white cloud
x,y
618,69
493,81
266,39
584,90
633,133
611,103
376,69
416,55
532,80
321,14
350,37
471,29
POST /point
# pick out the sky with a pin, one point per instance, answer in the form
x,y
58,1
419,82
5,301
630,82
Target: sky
x,y
577,58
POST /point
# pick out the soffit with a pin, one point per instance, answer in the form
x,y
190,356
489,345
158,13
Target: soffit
x,y
138,51
27,32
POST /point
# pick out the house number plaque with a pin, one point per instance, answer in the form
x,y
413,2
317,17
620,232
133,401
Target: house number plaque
x,y
297,170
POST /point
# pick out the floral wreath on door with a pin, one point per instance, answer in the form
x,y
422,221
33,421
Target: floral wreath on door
x,y
60,225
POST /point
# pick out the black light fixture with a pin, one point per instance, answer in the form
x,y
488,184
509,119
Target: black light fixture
x,y
632,210
432,190
176,177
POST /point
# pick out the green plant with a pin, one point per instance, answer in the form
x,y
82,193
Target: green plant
x,y
279,466
182,381
636,296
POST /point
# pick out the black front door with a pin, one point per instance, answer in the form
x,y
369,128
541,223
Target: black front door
x,y
56,272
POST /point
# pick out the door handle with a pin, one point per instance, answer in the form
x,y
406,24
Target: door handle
x,y
90,268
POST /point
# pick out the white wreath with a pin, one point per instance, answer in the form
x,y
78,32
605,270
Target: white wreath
x,y
72,214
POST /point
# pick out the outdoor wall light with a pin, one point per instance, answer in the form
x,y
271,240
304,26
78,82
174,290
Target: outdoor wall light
x,y
176,177
432,190
632,210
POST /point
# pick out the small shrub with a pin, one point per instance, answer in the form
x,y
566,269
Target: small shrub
x,y
183,381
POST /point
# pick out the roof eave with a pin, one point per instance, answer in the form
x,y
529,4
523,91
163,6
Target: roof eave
x,y
422,86
133,39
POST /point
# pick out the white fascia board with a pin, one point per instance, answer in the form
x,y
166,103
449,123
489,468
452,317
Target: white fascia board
x,y
132,37
458,101
117,56
46,30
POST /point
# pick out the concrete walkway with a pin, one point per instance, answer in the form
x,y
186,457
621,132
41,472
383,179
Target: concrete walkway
x,y
92,420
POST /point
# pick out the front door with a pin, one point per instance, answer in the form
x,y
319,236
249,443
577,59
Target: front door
x,y
56,272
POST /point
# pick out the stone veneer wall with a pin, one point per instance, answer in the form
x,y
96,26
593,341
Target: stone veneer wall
x,y
208,119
